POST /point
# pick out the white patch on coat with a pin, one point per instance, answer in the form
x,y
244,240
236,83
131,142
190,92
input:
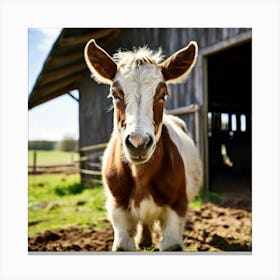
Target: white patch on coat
x,y
189,154
147,212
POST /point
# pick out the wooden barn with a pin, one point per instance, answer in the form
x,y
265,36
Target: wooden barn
x,y
216,101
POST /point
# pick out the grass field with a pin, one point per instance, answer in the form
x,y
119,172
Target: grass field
x,y
52,157
60,201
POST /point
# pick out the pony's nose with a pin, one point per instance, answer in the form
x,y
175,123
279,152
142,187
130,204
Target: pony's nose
x,y
139,142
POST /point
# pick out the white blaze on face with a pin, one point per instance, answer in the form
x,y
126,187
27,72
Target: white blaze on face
x,y
139,85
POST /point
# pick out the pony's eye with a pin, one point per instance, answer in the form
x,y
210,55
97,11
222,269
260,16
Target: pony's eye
x,y
163,97
116,96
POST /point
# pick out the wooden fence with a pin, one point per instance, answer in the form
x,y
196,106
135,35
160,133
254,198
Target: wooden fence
x,y
90,163
67,168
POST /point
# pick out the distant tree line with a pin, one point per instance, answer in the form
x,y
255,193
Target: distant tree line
x,y
41,145
67,144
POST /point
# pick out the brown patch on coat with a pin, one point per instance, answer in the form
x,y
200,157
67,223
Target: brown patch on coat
x,y
163,177
158,105
117,174
119,104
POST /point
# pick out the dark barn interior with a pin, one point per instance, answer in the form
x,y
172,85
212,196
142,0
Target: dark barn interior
x,y
230,118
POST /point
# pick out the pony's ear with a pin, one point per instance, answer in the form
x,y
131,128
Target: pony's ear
x,y
100,63
177,67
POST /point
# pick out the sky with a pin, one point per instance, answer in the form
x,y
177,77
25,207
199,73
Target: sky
x,y
58,118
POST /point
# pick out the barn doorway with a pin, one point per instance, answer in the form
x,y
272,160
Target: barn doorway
x,y
229,79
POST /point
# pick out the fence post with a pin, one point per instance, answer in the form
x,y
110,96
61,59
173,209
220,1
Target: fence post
x,y
197,128
34,161
82,177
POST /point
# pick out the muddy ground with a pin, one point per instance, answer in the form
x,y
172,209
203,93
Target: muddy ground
x,y
215,227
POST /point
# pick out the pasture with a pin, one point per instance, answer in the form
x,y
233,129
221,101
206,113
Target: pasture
x,y
64,215
52,157
59,201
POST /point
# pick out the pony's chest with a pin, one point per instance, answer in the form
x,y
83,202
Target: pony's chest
x,y
148,200
146,210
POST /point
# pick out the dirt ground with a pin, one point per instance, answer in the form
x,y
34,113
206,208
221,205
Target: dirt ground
x,y
215,227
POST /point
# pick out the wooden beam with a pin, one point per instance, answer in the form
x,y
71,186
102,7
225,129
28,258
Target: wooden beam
x,y
37,99
90,172
57,84
64,73
184,110
72,96
82,39
93,147
59,59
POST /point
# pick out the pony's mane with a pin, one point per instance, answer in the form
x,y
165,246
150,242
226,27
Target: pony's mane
x,y
126,59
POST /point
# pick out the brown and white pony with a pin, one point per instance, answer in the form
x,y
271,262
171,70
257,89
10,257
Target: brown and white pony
x,y
151,168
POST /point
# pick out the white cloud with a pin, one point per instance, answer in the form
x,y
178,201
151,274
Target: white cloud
x,y
49,36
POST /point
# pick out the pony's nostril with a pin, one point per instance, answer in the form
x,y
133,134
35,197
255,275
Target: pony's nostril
x,y
128,143
150,141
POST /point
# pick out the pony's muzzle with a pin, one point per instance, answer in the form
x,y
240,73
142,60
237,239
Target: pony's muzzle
x,y
139,144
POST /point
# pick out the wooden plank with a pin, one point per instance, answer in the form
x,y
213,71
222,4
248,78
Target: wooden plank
x,y
95,164
82,39
93,147
229,42
184,110
61,77
53,165
71,58
90,172
86,158
70,72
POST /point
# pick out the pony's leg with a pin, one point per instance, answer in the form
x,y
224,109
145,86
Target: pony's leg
x,y
124,230
172,230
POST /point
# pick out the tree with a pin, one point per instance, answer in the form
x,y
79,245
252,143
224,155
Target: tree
x,y
68,144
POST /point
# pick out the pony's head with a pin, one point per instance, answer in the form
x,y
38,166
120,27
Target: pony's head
x,y
138,85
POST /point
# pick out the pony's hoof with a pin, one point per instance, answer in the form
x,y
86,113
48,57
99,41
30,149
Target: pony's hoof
x,y
174,248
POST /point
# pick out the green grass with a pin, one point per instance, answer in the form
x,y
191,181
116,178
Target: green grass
x,y
60,201
208,196
52,157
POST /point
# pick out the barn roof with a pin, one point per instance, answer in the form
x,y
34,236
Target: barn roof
x,y
65,66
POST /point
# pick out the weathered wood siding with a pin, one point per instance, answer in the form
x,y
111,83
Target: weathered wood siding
x,y
96,122
95,118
